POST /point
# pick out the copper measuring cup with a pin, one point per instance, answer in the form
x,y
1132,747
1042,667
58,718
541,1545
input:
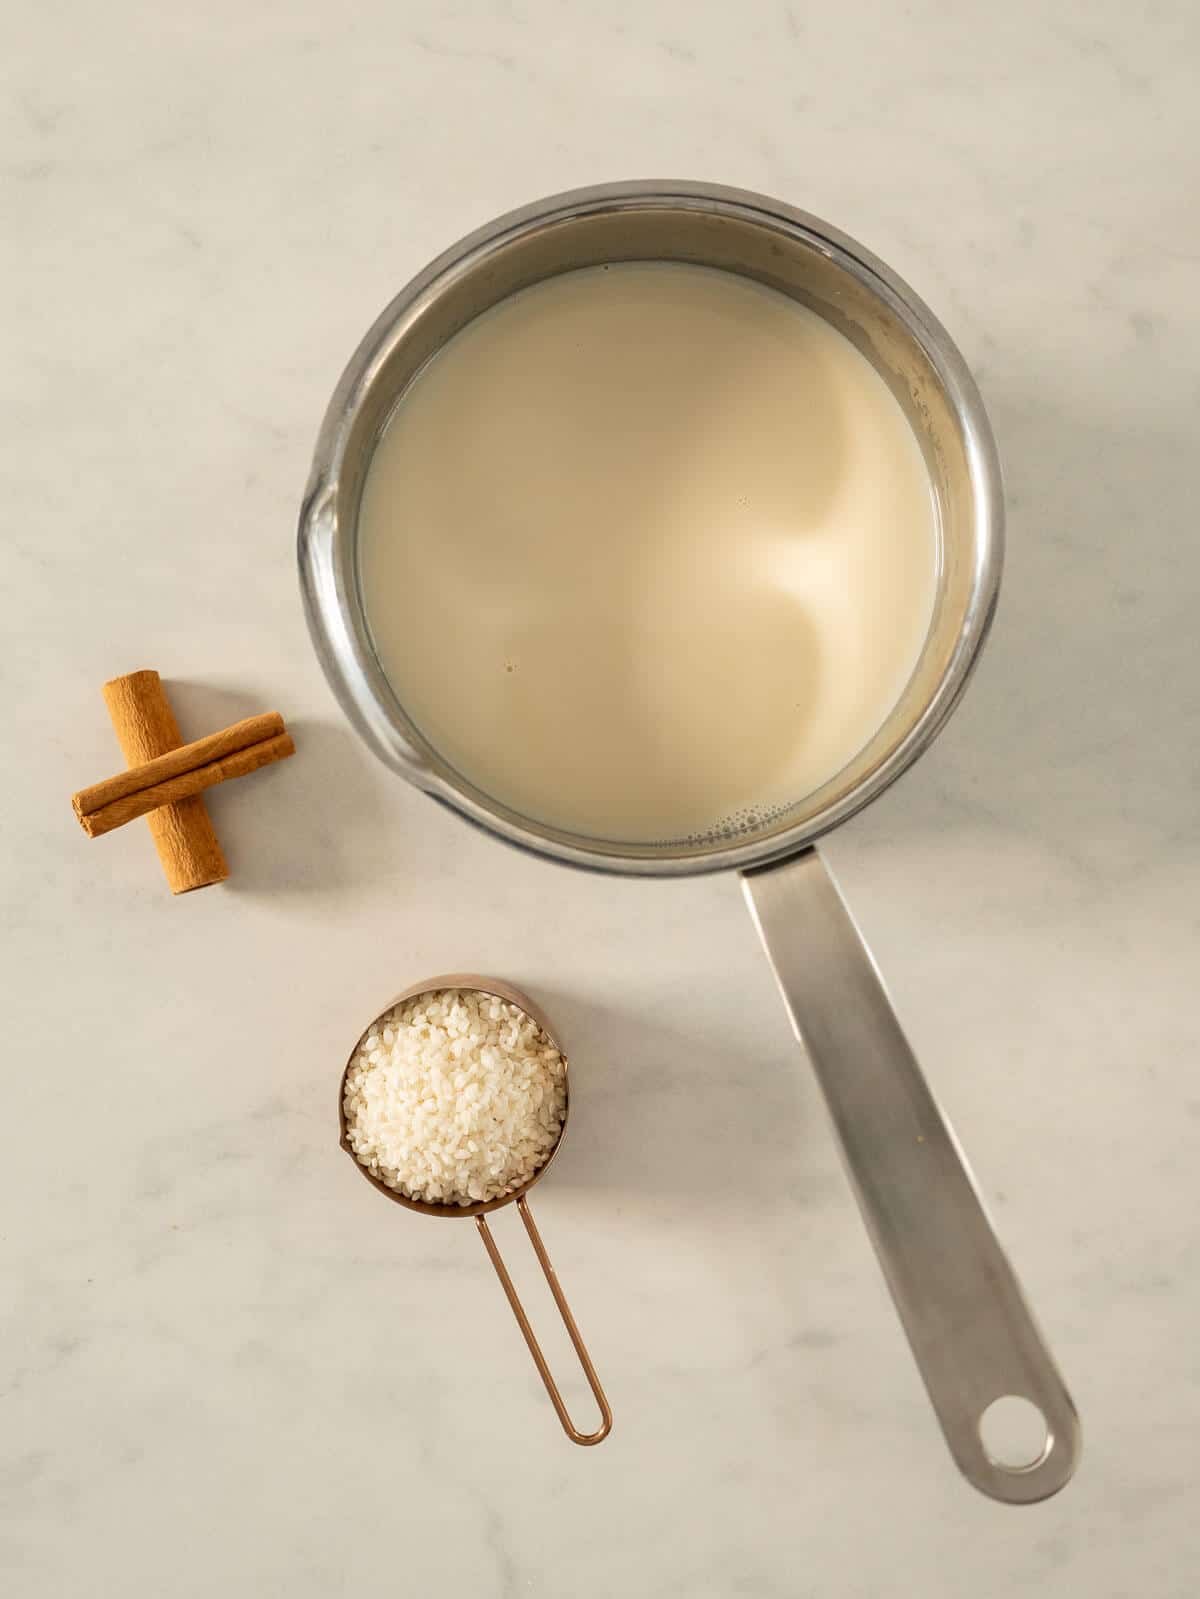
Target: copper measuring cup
x,y
500,990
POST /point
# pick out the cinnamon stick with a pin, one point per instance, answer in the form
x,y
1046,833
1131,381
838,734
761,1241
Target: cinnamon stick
x,y
148,796
145,726
233,752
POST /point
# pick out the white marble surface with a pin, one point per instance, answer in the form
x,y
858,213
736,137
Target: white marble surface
x,y
225,1366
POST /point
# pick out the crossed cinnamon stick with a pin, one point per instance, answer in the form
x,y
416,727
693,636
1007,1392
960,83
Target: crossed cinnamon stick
x,y
166,778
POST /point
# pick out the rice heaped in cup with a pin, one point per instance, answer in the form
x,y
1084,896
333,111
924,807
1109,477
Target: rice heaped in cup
x,y
455,1098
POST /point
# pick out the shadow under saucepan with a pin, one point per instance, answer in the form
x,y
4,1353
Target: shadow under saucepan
x,y
1082,726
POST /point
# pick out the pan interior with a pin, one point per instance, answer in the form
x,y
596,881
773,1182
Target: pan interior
x,y
863,307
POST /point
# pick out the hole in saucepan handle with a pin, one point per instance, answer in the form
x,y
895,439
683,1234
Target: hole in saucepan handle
x,y
1014,1433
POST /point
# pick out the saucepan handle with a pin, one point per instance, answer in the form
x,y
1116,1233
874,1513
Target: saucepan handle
x,y
564,1310
973,1336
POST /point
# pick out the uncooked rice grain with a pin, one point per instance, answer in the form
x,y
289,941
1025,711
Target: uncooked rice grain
x,y
455,1097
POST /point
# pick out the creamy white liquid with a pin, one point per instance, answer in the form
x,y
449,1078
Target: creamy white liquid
x,y
645,547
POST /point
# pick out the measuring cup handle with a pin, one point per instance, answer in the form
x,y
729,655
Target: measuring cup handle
x,y
564,1310
973,1336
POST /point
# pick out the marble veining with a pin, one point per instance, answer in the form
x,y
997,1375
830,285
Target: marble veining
x,y
225,1365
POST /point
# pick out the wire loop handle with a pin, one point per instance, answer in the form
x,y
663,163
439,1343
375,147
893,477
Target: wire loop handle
x,y
564,1310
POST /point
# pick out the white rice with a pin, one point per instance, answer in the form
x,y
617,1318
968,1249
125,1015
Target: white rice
x,y
455,1097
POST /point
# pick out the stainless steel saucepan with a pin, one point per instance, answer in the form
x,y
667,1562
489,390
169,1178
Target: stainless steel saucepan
x,y
971,1331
